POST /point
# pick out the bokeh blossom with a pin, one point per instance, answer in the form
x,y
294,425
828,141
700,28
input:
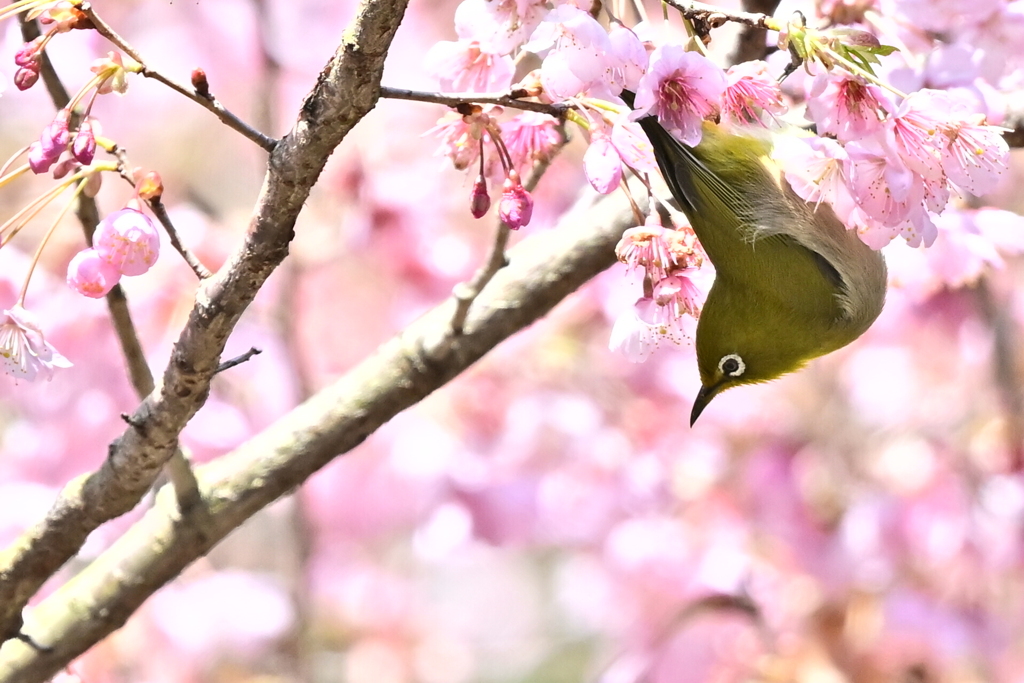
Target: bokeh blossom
x,y
24,352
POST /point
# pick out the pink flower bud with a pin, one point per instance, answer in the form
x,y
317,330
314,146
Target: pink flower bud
x,y
39,160
26,76
91,275
480,200
28,53
84,148
64,167
516,205
55,136
128,240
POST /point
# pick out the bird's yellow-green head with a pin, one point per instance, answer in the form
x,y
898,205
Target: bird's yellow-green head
x,y
744,337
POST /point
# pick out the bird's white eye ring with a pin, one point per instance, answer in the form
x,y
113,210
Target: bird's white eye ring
x,y
732,365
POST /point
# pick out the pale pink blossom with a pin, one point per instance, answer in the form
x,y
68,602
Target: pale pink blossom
x,y
844,106
751,93
682,89
647,247
886,189
631,337
633,146
462,66
639,331
24,352
680,294
814,168
531,137
128,240
601,163
914,129
111,72
92,275
460,140
632,56
579,58
974,155
499,26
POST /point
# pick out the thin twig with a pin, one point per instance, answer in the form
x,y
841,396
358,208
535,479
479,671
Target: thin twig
x,y
508,99
209,102
751,43
157,206
158,209
715,16
237,360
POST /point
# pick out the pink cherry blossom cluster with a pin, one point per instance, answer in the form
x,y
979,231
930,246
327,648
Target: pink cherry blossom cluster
x,y
887,162
125,243
887,169
671,300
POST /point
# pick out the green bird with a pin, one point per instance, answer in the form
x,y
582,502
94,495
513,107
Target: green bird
x,y
792,283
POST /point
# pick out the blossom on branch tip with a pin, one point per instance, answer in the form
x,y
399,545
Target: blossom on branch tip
x,y
149,185
128,240
24,352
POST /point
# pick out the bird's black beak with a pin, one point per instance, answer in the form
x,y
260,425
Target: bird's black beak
x,y
704,397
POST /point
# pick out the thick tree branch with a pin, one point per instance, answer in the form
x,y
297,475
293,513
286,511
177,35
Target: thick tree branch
x,y
346,90
542,271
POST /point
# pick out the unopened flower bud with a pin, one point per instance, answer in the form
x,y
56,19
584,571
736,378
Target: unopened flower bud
x,y
91,275
480,200
84,147
55,136
64,167
26,76
150,186
128,240
39,159
516,205
28,53
199,82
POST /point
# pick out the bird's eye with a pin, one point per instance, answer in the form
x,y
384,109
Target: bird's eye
x,y
732,365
